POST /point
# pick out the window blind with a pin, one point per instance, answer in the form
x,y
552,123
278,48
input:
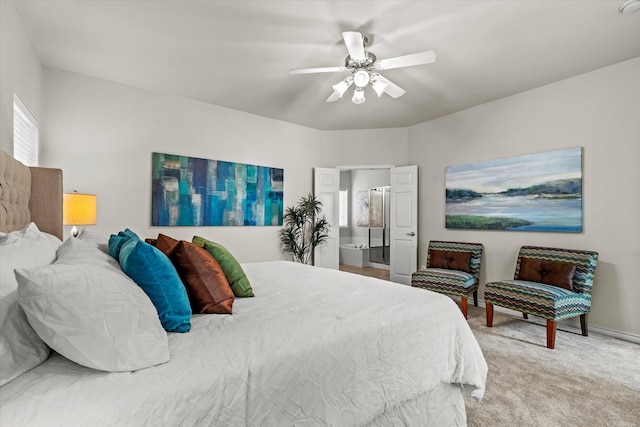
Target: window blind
x,y
25,133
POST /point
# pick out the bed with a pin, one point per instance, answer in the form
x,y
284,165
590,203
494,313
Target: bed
x,y
313,347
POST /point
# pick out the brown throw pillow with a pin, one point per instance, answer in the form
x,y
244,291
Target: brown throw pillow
x,y
207,287
548,272
459,261
450,260
559,274
530,270
437,259
166,244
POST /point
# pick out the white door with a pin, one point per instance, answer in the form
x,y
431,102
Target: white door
x,y
404,223
326,189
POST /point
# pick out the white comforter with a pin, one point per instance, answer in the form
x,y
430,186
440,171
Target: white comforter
x,y
314,347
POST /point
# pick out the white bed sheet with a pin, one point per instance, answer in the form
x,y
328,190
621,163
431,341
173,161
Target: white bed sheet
x,y
314,347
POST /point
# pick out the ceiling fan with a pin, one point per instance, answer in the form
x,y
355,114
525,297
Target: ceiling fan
x,y
364,67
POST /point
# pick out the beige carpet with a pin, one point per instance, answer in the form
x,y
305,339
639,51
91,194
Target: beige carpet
x,y
584,381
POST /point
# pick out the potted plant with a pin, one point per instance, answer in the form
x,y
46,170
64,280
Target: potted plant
x,y
303,229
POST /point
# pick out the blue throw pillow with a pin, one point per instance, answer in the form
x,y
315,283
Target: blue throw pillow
x,y
157,277
116,242
128,233
115,245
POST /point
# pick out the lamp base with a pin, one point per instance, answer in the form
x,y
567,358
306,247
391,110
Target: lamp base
x,y
74,231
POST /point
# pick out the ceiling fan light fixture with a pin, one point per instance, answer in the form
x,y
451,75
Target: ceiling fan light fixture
x,y
363,65
341,88
361,78
358,96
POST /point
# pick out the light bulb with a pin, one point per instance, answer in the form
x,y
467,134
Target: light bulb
x,y
379,86
341,88
361,78
358,96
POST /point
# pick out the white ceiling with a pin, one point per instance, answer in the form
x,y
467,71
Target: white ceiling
x,y
238,54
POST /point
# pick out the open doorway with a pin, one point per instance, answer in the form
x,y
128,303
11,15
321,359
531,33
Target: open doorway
x,y
364,225
403,219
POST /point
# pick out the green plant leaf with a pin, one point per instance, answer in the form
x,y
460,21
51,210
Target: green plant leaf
x,y
303,229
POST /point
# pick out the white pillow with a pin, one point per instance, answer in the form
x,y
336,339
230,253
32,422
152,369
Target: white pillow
x,y
20,347
102,242
85,308
24,248
55,242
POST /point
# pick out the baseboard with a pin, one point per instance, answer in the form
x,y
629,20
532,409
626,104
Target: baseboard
x,y
571,325
378,265
616,334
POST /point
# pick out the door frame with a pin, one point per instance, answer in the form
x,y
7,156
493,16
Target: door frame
x,y
390,168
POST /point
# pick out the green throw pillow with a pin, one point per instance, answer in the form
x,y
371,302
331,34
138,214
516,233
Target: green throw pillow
x,y
230,266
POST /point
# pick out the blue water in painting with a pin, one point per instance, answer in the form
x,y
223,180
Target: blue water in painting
x,y
546,214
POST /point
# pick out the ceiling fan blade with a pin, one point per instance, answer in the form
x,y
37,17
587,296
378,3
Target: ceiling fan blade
x,y
333,97
317,70
392,89
355,45
406,60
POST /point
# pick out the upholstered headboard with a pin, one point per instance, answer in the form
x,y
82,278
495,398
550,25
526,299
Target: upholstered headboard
x,y
29,194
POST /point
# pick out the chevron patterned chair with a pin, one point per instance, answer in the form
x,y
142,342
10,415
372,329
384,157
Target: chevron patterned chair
x,y
453,268
551,283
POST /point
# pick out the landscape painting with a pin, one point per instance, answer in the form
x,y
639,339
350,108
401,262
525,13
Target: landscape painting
x,y
536,192
189,191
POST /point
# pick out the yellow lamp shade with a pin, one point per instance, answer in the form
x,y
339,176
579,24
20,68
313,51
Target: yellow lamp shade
x,y
79,209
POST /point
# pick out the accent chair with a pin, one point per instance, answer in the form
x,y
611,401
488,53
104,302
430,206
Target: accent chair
x,y
453,268
551,283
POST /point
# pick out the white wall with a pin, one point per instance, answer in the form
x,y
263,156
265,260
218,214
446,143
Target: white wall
x,y
20,70
102,135
360,148
363,147
599,111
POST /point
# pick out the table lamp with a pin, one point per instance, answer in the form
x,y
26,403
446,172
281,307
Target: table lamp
x,y
79,209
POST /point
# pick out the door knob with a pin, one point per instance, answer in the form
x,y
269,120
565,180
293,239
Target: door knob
x,y
411,234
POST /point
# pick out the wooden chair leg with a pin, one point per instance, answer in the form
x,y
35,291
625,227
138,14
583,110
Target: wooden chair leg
x,y
583,325
489,310
525,315
551,334
475,298
463,306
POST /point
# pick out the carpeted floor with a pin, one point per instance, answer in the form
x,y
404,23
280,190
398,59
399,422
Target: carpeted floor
x,y
584,381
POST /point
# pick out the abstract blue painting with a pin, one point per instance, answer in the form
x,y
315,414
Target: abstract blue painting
x,y
535,192
189,191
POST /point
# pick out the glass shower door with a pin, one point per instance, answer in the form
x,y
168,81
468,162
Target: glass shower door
x,y
378,225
